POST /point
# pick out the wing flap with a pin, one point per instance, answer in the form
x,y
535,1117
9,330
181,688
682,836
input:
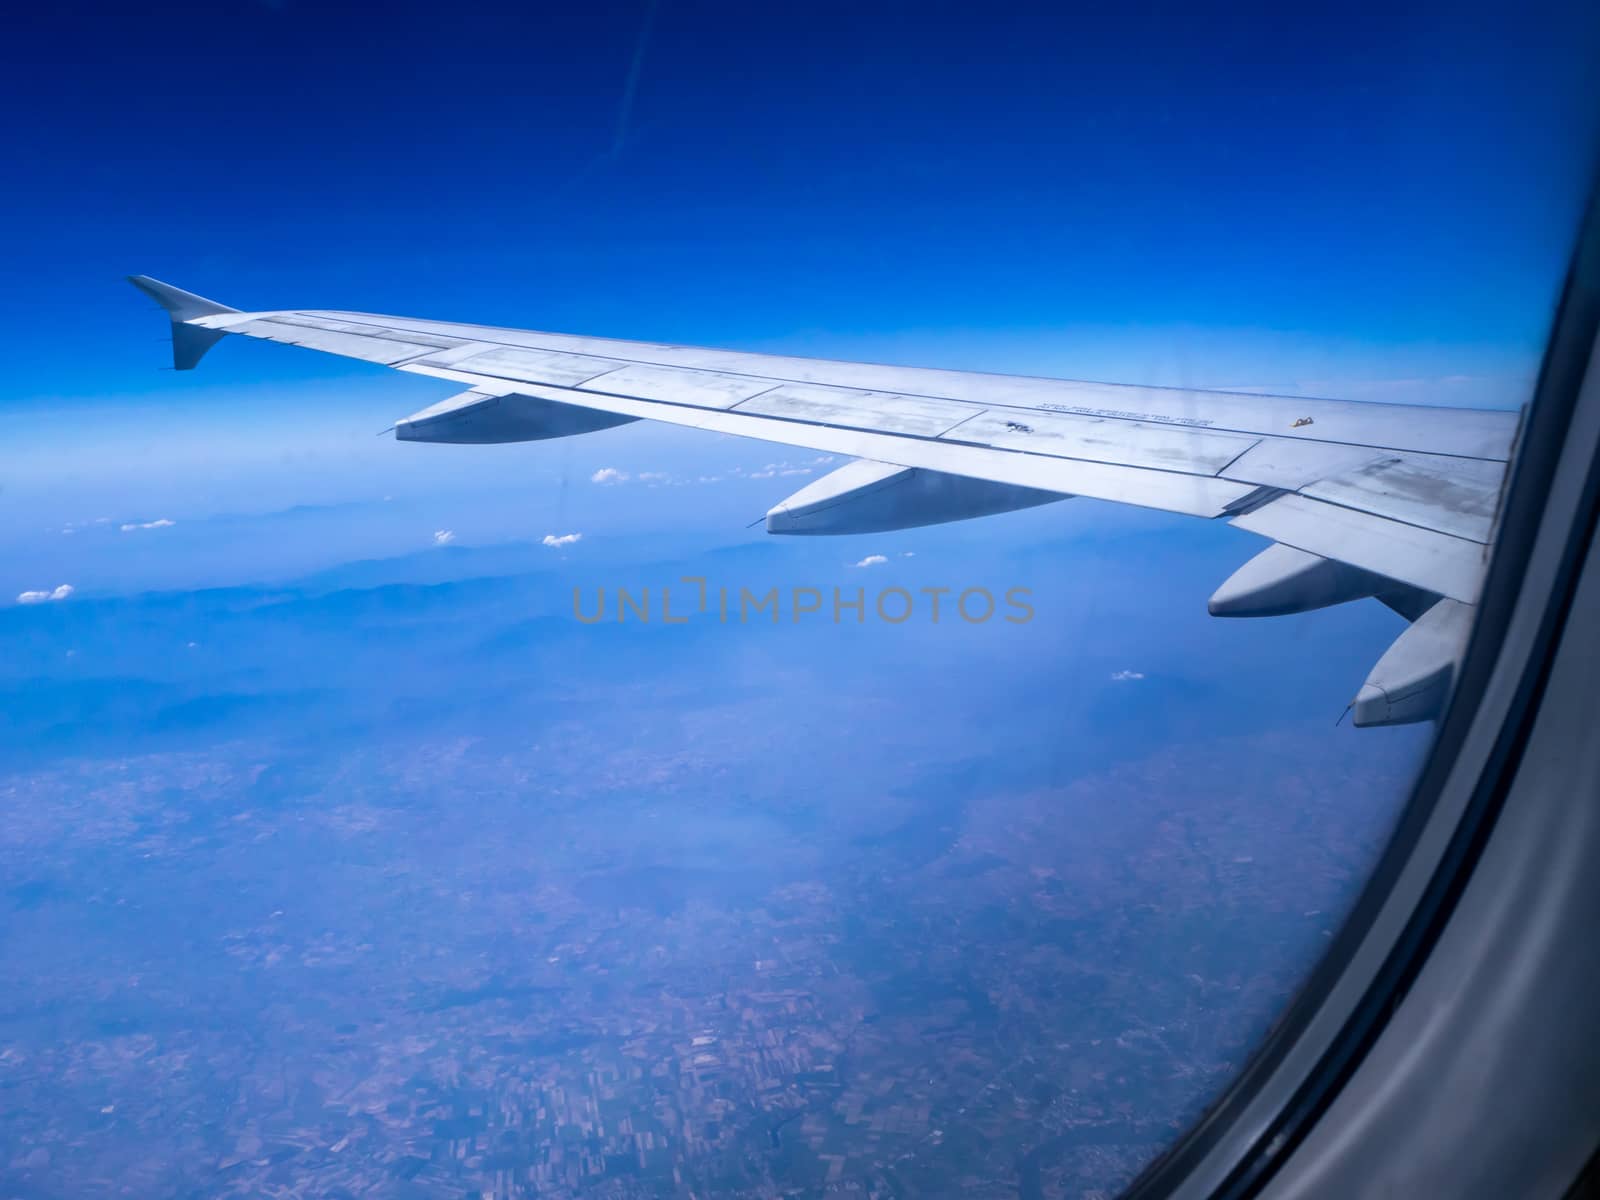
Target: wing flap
x,y
1454,496
1290,465
1436,562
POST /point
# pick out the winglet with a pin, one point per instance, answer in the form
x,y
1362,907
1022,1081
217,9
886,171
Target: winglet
x,y
183,306
189,342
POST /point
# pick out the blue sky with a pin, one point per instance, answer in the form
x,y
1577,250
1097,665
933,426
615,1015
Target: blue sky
x,y
1370,201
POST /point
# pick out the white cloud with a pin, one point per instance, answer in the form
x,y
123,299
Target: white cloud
x,y
772,470
1125,676
872,560
443,537
614,475
908,554
159,523
60,593
564,539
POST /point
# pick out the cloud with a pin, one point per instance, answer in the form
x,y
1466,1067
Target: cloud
x,y
564,539
1125,676
871,560
159,523
772,470
60,593
443,537
615,475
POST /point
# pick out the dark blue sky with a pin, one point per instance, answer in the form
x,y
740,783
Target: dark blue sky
x,y
736,172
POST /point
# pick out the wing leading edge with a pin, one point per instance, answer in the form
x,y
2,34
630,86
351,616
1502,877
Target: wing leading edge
x,y
1359,500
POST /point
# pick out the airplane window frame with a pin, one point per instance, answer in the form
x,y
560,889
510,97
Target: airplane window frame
x,y
1548,517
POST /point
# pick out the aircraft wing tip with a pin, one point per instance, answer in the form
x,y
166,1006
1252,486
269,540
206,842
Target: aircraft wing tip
x,y
180,305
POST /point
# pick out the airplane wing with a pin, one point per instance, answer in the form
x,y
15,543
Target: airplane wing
x,y
1358,499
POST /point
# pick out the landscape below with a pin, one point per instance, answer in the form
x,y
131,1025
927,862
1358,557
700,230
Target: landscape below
x,y
402,881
